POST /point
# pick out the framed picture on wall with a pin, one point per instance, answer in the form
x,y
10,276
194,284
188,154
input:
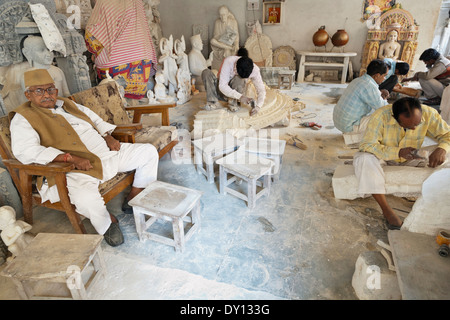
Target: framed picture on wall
x,y
272,11
372,7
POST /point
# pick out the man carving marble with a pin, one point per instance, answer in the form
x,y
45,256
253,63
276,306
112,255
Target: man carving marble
x,y
225,41
390,48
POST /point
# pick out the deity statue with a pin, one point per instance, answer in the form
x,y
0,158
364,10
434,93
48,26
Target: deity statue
x,y
225,41
183,73
197,62
169,61
390,48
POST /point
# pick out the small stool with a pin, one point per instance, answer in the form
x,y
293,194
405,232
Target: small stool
x,y
208,149
267,148
248,167
161,200
285,79
58,258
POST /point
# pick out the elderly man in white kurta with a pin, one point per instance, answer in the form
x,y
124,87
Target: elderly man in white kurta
x,y
86,143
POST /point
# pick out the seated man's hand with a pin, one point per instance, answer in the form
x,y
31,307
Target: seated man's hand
x,y
113,144
384,93
406,153
80,163
437,157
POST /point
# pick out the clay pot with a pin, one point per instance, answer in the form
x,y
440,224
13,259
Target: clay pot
x,y
320,38
340,38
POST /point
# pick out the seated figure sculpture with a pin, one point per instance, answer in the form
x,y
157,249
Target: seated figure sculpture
x,y
197,62
390,48
13,232
225,41
38,57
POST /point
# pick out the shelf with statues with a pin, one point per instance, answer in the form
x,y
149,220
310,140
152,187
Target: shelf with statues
x,y
272,12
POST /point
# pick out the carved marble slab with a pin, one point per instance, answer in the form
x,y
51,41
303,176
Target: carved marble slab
x,y
284,56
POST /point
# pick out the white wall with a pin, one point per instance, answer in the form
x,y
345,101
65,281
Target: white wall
x,y
302,19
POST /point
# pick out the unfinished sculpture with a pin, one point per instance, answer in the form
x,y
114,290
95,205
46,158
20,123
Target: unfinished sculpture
x,y
259,47
183,73
168,60
154,22
395,20
38,57
284,56
197,62
429,213
161,90
277,109
13,232
225,41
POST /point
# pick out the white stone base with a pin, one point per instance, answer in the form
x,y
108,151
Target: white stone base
x,y
400,181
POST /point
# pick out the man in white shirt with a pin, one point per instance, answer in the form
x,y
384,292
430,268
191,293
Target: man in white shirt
x,y
49,128
235,70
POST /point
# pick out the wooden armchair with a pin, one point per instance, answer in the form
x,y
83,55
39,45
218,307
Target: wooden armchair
x,y
23,177
106,101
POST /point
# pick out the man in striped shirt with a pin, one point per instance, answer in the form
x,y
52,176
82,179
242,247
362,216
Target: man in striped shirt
x,y
395,133
359,100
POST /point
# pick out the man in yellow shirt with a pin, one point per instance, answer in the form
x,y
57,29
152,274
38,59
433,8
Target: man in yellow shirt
x,y
395,133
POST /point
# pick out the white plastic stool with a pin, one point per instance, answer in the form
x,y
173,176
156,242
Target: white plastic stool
x,y
161,200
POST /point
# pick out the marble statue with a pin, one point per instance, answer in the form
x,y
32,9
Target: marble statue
x,y
13,232
168,60
38,57
197,62
161,90
183,73
225,41
390,48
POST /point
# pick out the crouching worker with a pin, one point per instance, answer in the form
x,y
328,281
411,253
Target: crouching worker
x,y
48,128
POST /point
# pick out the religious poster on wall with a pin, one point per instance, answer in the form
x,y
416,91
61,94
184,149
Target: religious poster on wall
x,y
372,7
274,15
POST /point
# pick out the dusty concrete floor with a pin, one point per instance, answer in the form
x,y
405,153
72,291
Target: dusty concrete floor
x,y
298,243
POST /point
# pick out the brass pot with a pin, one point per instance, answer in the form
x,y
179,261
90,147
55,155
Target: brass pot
x,y
340,38
320,38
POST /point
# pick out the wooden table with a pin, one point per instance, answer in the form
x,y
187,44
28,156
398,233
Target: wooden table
x,y
422,273
343,65
57,258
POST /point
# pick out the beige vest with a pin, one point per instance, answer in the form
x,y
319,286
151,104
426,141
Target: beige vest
x,y
54,131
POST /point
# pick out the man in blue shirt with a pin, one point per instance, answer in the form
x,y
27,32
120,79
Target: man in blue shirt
x,y
396,68
359,100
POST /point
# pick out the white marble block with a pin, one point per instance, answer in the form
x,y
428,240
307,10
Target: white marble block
x,y
400,181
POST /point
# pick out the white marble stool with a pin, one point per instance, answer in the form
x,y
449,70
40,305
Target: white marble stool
x,y
285,79
267,148
164,201
209,149
247,167
57,258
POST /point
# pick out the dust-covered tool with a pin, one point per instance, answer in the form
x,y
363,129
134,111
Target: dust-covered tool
x,y
443,240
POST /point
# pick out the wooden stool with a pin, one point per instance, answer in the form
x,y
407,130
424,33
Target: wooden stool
x,y
58,258
208,149
285,79
247,167
161,200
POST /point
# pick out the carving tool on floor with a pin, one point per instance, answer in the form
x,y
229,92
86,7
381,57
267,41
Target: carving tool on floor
x,y
311,125
443,240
